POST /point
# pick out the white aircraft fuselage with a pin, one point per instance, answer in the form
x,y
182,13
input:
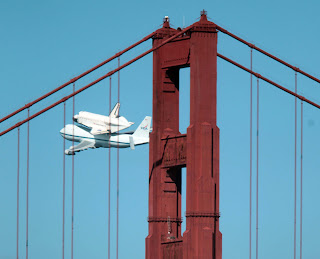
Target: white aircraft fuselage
x,y
102,140
88,140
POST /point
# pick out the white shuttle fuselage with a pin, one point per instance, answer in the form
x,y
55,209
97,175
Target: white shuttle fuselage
x,y
101,124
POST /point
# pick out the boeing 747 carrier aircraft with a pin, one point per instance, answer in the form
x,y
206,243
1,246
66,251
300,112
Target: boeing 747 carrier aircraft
x,y
87,139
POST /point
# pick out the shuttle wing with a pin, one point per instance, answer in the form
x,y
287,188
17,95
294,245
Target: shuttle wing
x,y
83,145
96,130
83,121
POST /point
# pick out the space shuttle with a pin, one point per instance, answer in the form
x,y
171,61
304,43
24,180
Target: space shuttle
x,y
101,124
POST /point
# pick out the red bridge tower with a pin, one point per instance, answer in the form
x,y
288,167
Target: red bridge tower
x,y
198,150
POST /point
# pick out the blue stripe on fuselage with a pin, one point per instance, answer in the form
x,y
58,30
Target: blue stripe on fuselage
x,y
106,140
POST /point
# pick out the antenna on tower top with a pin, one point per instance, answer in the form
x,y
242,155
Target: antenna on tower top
x,y
166,22
203,12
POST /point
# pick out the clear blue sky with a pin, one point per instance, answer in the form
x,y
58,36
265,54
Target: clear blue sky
x,y
46,43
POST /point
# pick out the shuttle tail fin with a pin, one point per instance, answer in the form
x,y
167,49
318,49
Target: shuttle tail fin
x,y
115,111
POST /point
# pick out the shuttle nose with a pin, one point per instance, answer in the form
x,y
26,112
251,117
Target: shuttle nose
x,y
75,118
62,131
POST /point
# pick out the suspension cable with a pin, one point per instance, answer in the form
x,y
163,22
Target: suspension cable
x,y
250,217
98,80
257,194
268,81
295,173
72,213
117,247
301,178
268,54
27,205
109,191
63,177
78,77
18,178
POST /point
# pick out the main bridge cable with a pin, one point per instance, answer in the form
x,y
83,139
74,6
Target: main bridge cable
x,y
302,98
301,169
268,54
78,77
138,43
97,81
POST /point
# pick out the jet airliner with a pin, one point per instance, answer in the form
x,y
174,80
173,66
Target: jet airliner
x,y
86,139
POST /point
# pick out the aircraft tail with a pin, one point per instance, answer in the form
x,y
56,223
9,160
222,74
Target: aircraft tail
x,y
115,111
143,129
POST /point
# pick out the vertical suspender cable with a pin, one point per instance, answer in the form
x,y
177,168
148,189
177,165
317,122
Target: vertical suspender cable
x,y
109,192
295,173
27,206
250,200
18,178
117,248
72,216
257,194
63,176
301,167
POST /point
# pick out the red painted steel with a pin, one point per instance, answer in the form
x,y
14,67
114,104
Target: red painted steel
x,y
295,172
301,177
72,198
96,81
250,192
257,183
18,180
109,187
164,184
268,54
77,78
27,196
175,151
117,244
63,179
202,238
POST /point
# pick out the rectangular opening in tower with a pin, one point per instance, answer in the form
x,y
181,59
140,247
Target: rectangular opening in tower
x,y
184,122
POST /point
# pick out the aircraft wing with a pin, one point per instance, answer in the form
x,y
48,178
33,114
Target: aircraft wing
x,y
83,145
